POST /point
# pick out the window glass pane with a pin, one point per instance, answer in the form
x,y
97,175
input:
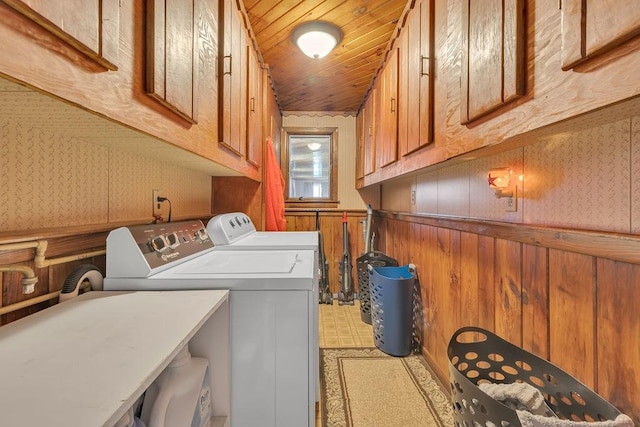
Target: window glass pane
x,y
309,166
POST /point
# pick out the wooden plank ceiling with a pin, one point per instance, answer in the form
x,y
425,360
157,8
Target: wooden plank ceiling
x,y
339,81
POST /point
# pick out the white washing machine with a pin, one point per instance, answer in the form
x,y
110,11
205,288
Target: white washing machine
x,y
236,232
272,298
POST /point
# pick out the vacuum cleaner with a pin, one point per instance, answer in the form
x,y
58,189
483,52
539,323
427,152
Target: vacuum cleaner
x,y
324,296
345,296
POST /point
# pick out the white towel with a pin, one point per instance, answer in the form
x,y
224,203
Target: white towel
x,y
530,420
533,411
518,396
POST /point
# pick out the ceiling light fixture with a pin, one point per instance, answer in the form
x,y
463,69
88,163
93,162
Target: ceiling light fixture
x,y
316,38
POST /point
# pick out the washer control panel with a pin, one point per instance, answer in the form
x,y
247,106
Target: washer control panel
x,y
230,227
154,245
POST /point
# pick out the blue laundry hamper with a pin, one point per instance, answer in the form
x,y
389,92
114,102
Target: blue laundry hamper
x,y
392,308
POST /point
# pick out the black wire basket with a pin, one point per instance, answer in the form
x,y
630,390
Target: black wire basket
x,y
478,356
376,259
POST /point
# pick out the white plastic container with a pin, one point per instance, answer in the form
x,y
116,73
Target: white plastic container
x,y
181,395
129,420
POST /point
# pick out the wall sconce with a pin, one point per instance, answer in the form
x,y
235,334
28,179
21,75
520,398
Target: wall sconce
x,y
316,38
499,179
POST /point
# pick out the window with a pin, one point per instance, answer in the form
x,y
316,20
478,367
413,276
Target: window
x,y
309,166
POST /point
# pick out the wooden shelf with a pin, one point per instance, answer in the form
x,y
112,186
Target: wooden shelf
x,y
86,361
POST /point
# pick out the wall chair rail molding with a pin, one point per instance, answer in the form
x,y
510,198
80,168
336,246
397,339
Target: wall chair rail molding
x,y
614,246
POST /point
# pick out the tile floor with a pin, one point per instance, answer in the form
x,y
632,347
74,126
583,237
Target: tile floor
x,y
342,326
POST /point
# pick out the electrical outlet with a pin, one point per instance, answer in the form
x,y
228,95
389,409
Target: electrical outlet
x,y
156,202
413,197
511,203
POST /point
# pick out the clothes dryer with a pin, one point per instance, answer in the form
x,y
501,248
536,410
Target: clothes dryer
x,y
235,231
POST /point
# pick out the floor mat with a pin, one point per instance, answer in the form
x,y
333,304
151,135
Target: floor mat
x,y
364,387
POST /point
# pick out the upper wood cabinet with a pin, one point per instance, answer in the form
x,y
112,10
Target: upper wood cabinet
x,y
92,27
416,79
487,87
387,131
426,70
492,56
172,56
360,146
593,27
272,122
232,94
366,136
369,129
177,41
255,107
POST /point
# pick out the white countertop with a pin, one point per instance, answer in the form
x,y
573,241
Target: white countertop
x,y
86,361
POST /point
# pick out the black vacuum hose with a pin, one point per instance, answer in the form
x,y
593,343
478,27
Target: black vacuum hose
x,y
71,286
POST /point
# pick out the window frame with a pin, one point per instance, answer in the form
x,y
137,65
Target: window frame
x,y
312,202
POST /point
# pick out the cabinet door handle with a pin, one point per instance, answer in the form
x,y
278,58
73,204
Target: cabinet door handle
x,y
370,130
252,104
230,64
424,71
393,105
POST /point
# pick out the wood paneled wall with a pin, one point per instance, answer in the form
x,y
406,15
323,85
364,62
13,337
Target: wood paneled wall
x,y
237,194
331,229
567,296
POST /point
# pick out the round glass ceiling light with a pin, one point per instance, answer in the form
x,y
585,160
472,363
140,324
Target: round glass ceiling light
x,y
316,38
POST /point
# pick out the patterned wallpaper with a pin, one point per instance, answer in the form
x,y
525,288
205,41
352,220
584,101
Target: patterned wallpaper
x,y
586,179
51,180
581,180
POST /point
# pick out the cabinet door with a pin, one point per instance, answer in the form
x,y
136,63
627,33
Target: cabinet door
x,y
254,109
172,56
92,27
225,70
415,85
233,85
240,85
493,56
594,27
408,130
426,71
370,108
389,112
360,131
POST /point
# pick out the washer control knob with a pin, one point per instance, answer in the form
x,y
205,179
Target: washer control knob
x,y
201,234
159,244
173,240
